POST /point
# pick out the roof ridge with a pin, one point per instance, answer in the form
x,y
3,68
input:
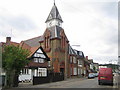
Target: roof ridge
x,y
14,42
32,38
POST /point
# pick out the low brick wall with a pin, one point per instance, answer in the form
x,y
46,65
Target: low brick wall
x,y
40,80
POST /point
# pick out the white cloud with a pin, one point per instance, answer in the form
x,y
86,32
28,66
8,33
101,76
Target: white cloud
x,y
92,24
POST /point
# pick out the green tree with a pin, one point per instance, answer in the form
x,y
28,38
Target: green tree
x,y
94,68
13,60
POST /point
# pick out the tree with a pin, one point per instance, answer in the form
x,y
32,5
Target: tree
x,y
94,68
13,60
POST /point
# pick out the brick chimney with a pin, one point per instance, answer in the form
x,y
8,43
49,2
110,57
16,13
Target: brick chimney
x,y
87,57
8,39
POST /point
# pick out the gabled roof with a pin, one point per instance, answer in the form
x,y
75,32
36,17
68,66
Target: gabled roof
x,y
10,43
33,42
14,43
32,49
54,14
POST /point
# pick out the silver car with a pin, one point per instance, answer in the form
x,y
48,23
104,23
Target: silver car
x,y
91,75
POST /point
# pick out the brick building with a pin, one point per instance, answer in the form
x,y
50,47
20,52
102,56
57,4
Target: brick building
x,y
55,42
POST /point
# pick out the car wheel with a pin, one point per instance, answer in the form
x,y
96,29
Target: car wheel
x,y
111,84
99,83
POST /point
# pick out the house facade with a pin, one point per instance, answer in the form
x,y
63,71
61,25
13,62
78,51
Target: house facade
x,y
81,61
73,63
38,65
38,60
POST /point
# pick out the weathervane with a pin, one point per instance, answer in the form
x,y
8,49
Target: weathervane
x,y
54,2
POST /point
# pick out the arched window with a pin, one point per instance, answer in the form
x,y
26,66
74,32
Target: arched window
x,y
47,42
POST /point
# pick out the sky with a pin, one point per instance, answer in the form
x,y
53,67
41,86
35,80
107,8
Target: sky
x,y
91,24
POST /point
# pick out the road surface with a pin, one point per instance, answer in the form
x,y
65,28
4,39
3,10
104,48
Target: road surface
x,y
74,83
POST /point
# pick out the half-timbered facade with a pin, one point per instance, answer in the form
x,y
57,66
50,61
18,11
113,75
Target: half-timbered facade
x,y
38,65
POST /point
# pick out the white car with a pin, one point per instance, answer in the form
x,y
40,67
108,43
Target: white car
x,y
96,74
91,75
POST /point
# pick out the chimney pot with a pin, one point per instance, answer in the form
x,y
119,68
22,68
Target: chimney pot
x,y
8,39
87,57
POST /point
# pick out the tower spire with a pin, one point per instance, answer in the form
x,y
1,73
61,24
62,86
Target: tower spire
x,y
54,2
54,14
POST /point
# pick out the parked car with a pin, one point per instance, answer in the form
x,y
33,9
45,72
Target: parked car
x,y
105,76
91,75
96,74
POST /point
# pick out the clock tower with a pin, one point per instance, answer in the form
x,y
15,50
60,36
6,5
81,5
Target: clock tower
x,y
54,18
55,42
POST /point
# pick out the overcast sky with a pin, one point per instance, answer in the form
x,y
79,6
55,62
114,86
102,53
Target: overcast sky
x,y
92,24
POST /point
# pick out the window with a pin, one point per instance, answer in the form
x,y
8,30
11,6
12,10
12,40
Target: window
x,y
47,42
40,60
35,60
70,59
81,71
42,72
74,60
25,71
78,71
49,63
71,71
79,62
75,71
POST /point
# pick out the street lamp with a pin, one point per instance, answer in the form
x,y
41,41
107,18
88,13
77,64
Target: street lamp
x,y
75,45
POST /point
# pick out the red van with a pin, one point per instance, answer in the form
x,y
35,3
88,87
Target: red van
x,y
105,76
